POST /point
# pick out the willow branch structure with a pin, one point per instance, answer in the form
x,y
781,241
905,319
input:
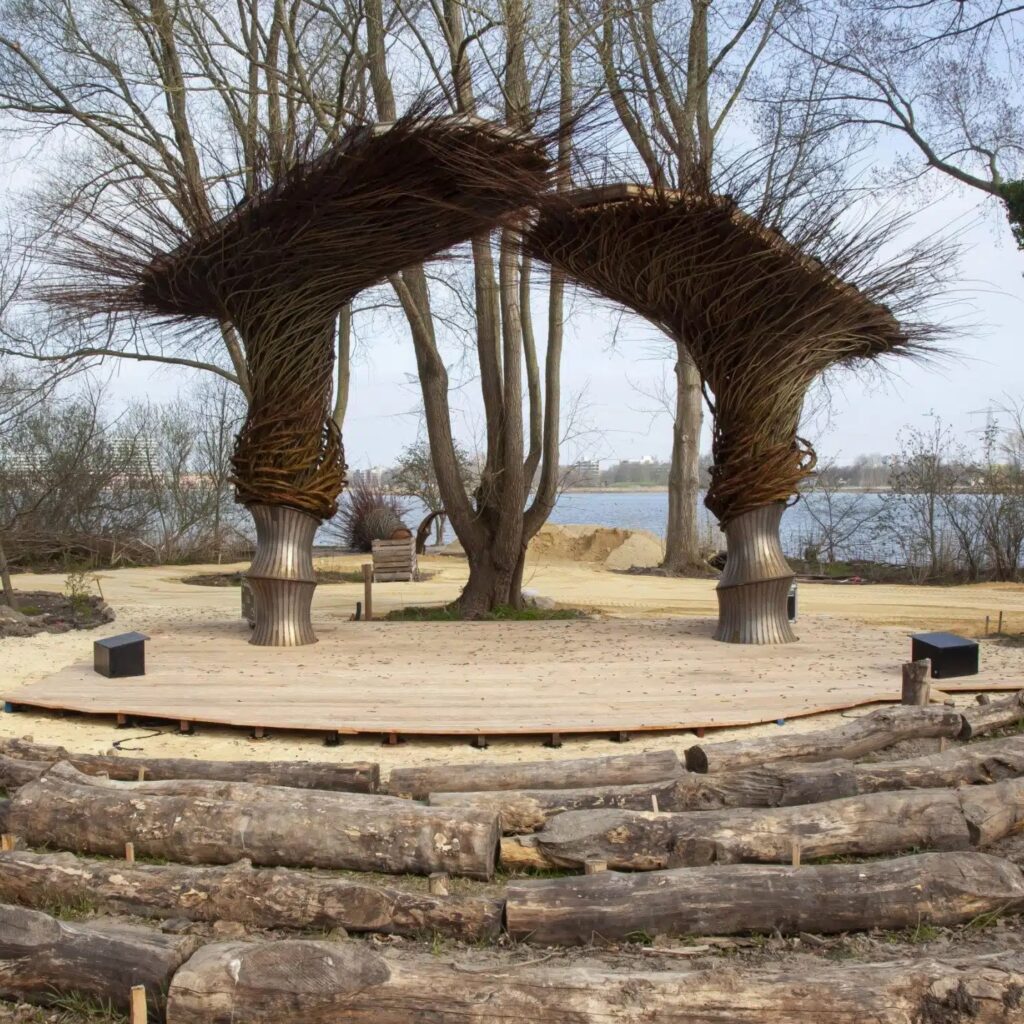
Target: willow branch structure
x,y
762,319
278,269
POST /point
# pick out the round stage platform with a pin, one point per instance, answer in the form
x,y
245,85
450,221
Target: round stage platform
x,y
498,678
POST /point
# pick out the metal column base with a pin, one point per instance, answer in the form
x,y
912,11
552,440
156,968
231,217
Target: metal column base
x,y
281,576
753,590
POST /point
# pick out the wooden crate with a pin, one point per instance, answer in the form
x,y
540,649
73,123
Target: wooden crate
x,y
394,560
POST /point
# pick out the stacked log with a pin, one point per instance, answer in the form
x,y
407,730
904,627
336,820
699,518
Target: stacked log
x,y
937,819
419,783
937,888
201,822
853,739
296,982
43,958
355,777
261,898
772,785
997,714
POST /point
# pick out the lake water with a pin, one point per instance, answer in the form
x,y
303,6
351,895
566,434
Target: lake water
x,y
648,510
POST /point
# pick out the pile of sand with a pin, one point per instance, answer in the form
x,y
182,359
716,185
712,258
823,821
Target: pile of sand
x,y
613,547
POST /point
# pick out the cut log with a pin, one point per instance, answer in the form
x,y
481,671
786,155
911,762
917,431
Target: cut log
x,y
296,982
196,821
773,785
934,888
916,685
258,897
355,777
938,819
585,771
851,740
15,772
997,714
43,958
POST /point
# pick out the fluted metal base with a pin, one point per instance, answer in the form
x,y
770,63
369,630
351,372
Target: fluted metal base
x,y
753,589
281,576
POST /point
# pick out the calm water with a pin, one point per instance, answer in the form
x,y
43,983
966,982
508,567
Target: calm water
x,y
648,510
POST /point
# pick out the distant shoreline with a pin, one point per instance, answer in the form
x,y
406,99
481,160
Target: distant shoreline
x,y
663,489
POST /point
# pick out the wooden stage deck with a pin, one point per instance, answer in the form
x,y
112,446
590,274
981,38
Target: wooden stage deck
x,y
500,678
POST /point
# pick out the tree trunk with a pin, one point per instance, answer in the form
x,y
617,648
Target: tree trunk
x,y
281,576
355,777
850,740
304,982
198,822
930,888
771,785
42,959
754,587
599,771
5,578
257,897
489,585
682,536
997,714
939,819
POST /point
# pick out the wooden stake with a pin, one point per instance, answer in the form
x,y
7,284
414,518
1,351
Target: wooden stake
x,y
594,866
916,686
796,853
142,774
7,841
480,742
368,591
122,720
999,628
129,852
943,743
554,741
986,625
140,1014
438,883
185,727
654,802
259,732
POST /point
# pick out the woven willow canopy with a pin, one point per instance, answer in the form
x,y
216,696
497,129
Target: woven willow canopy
x,y
761,318
281,266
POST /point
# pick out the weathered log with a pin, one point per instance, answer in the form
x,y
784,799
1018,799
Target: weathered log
x,y
354,777
936,888
43,958
585,771
851,740
916,685
15,772
773,785
196,821
938,819
296,982
997,714
258,897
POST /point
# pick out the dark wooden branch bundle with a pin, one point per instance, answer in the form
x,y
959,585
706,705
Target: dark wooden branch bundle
x,y
878,823
195,821
776,784
42,958
355,777
935,888
850,740
258,897
419,783
329,983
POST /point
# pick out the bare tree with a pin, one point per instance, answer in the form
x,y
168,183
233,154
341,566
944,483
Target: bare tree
x,y
494,525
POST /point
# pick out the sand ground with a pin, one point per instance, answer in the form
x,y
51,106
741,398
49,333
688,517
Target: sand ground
x,y
155,601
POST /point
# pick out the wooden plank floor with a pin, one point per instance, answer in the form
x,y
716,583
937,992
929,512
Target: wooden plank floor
x,y
500,678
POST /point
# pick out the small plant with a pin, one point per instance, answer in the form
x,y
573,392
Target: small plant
x,y
74,908
77,590
88,1009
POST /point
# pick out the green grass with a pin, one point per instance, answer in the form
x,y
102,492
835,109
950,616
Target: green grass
x,y
503,613
30,609
88,1009
75,908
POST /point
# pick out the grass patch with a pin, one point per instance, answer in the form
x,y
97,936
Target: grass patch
x,y
503,613
88,1009
75,908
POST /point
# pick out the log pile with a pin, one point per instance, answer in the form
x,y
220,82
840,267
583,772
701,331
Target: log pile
x,y
42,958
257,897
939,888
20,761
201,822
879,823
775,784
297,982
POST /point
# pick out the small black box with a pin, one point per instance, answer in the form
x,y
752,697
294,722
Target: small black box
x,y
119,656
950,655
